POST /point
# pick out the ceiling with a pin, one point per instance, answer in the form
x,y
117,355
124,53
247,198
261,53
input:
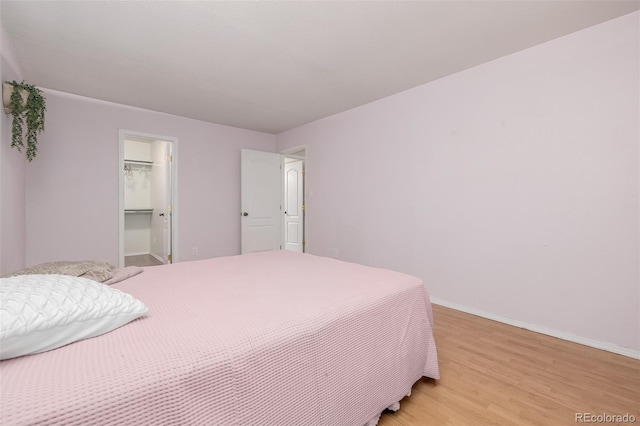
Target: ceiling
x,y
272,66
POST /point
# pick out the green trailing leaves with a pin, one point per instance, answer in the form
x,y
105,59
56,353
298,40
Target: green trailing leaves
x,y
30,115
16,130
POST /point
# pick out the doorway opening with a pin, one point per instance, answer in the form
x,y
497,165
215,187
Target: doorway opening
x,y
293,200
272,206
147,199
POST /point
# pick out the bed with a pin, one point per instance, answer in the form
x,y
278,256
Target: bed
x,y
273,338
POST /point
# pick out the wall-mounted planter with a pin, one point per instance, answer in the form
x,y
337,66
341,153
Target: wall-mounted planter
x,y
7,89
27,106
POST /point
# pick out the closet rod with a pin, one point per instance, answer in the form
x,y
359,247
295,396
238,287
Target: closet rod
x,y
138,211
147,163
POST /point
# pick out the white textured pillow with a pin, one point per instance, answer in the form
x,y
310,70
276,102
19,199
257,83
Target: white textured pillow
x,y
43,312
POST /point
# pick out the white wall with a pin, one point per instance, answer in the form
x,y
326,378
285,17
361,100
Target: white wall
x,y
137,234
137,150
510,188
12,178
137,195
72,186
137,181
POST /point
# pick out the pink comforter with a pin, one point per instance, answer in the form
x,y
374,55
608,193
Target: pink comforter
x,y
275,338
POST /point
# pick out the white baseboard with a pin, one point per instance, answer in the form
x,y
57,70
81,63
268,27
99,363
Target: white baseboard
x,y
136,253
157,257
610,347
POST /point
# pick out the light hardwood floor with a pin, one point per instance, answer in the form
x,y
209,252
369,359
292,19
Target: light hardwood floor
x,y
496,374
141,260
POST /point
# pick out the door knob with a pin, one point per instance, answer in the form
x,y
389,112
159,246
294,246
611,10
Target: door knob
x,y
245,214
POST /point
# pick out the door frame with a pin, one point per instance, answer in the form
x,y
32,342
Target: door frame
x,y
288,153
122,135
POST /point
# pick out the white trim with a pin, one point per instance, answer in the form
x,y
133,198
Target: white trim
x,y
288,151
145,253
174,191
137,253
610,347
121,253
158,257
295,157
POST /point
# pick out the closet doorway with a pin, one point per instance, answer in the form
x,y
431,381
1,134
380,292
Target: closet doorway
x,y
272,206
147,199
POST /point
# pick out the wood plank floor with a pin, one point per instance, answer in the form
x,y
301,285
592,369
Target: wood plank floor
x,y
141,260
496,374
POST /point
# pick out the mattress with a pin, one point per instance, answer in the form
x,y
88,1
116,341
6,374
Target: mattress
x,y
273,338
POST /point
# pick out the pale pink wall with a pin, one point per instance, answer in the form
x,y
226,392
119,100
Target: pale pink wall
x,y
72,185
12,178
510,188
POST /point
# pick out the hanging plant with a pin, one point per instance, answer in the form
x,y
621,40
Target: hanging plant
x,y
27,107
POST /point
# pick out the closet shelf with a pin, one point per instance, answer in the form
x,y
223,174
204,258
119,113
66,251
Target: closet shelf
x,y
144,163
130,211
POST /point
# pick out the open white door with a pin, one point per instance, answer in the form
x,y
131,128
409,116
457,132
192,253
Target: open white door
x,y
293,206
161,191
260,191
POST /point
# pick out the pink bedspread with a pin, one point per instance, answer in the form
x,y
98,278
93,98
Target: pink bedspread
x,y
275,338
